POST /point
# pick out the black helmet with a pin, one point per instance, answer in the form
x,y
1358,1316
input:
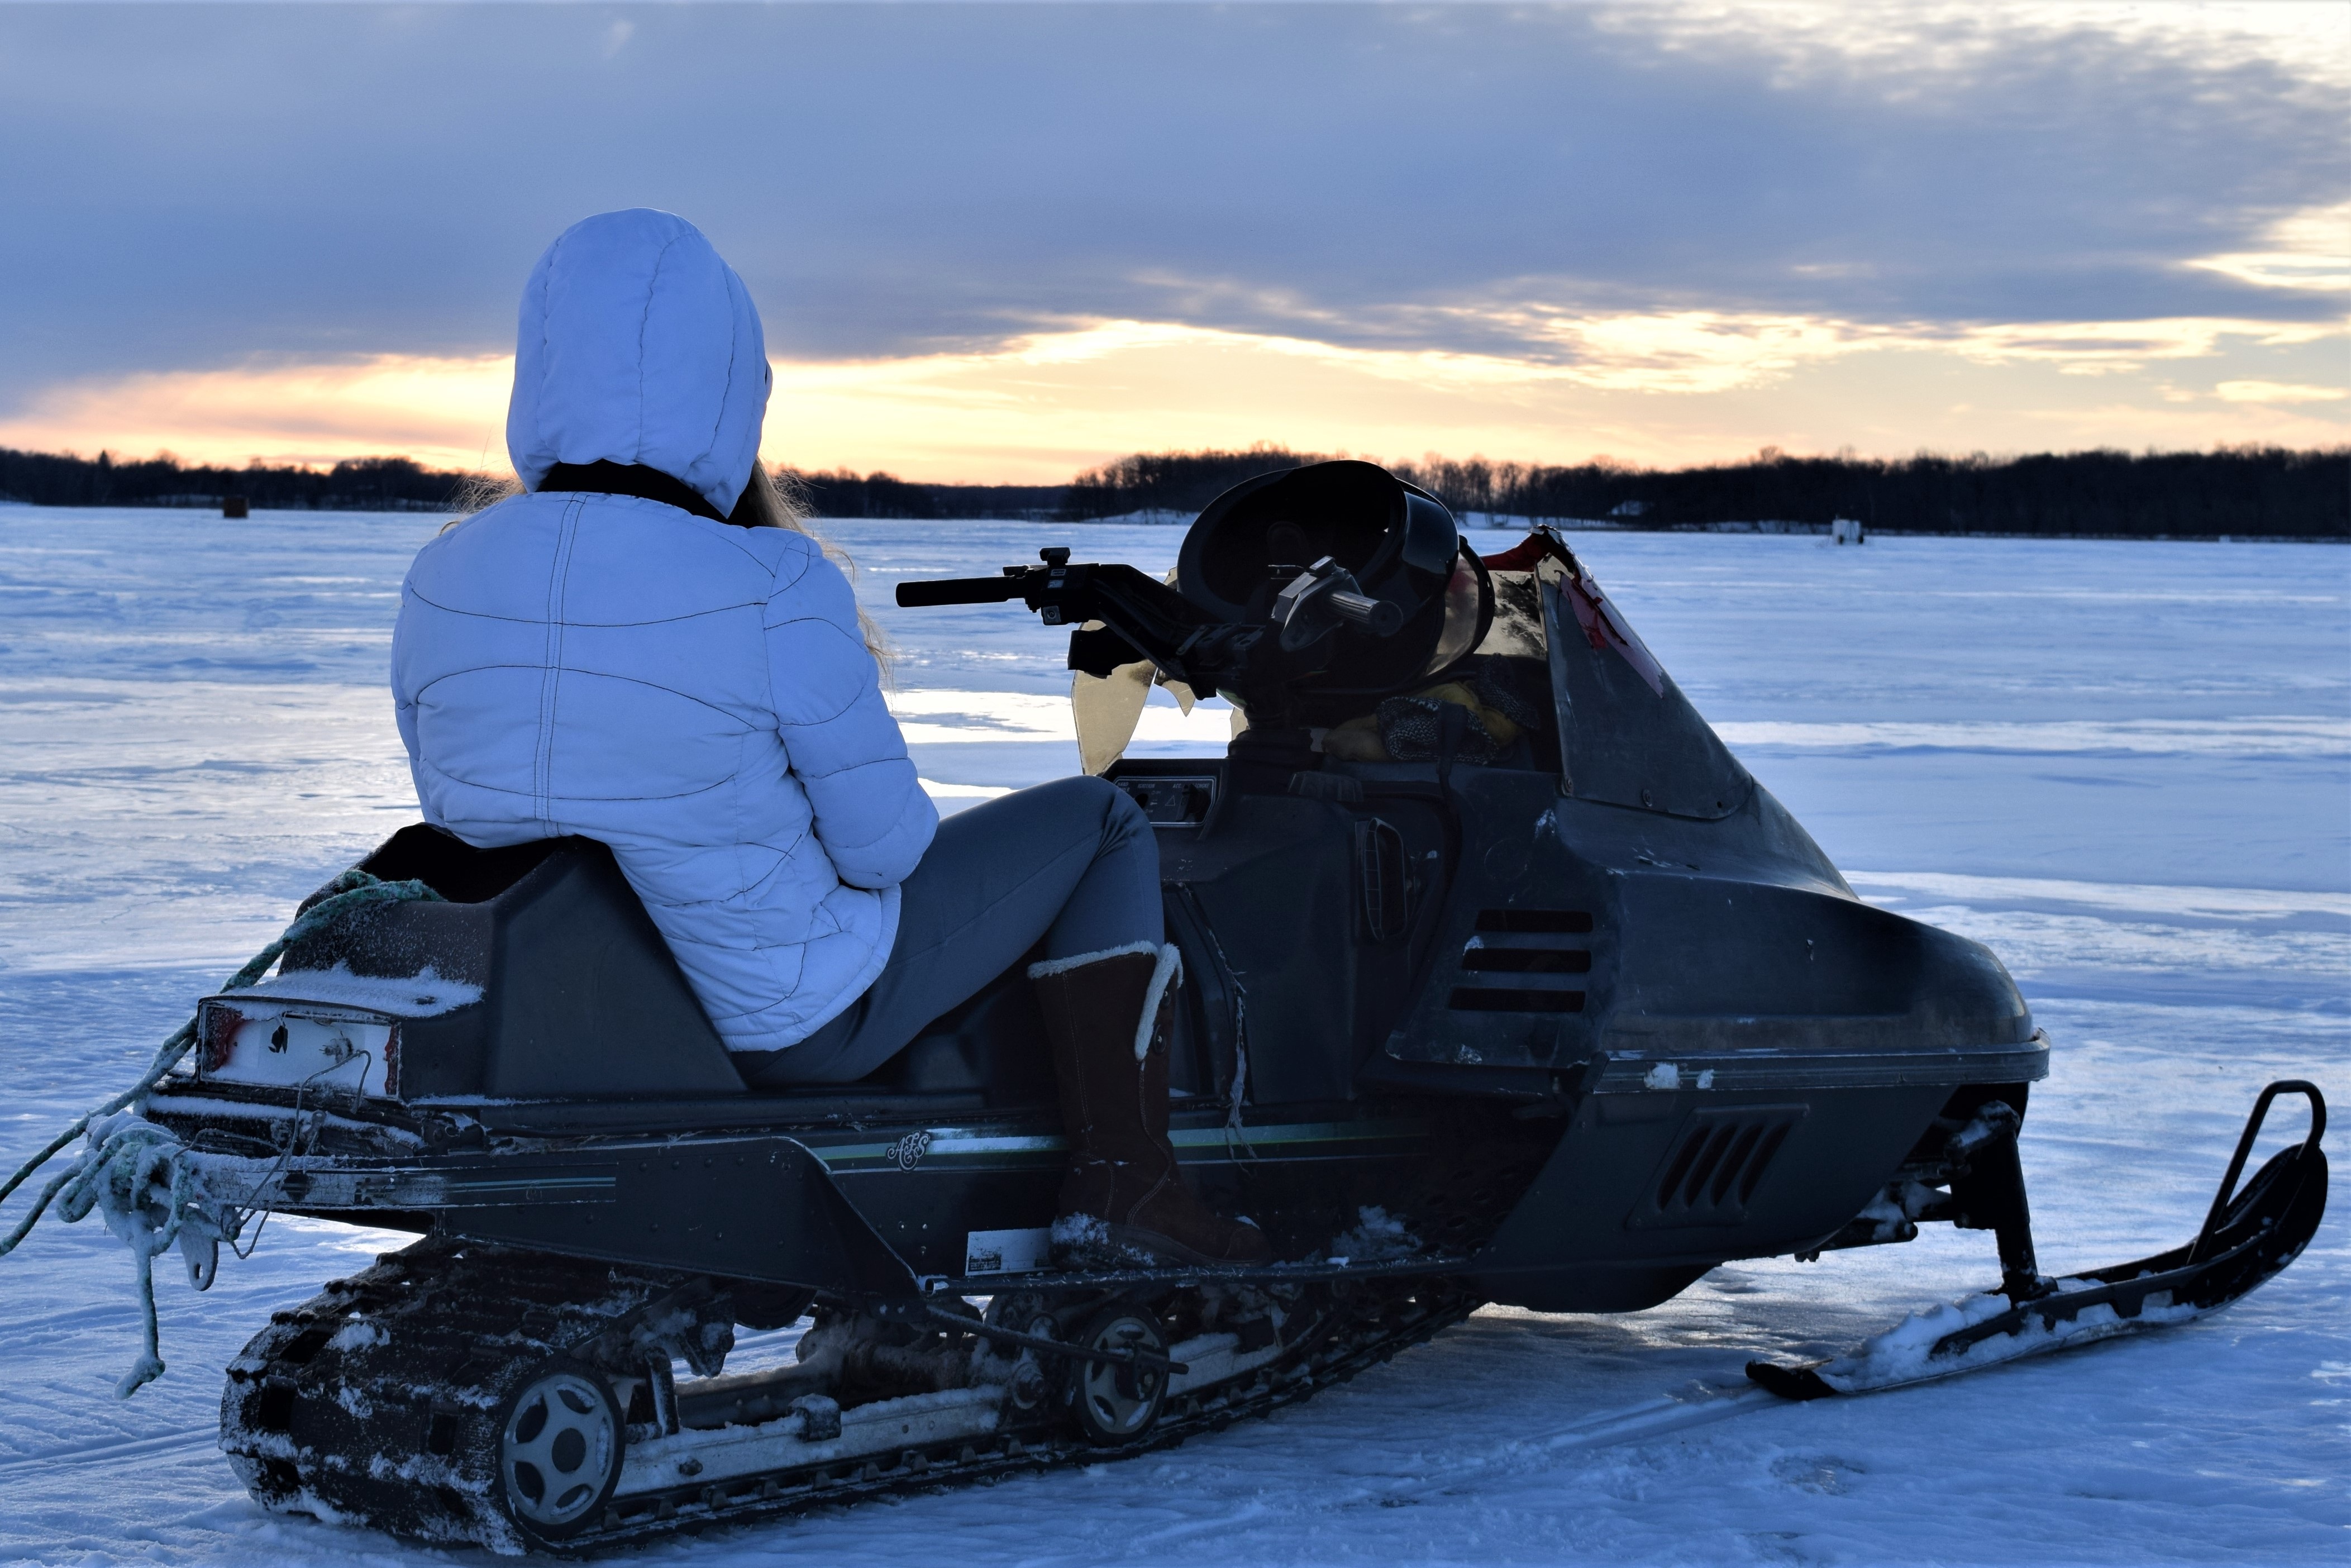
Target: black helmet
x,y
1398,540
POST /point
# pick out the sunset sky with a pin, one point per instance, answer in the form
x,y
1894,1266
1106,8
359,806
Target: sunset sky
x,y
1005,243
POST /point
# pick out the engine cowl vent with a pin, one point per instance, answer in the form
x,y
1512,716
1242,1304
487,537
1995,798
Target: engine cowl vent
x,y
1525,961
1714,1166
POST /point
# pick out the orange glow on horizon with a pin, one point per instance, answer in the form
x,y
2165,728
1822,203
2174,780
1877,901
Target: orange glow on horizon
x,y
1663,389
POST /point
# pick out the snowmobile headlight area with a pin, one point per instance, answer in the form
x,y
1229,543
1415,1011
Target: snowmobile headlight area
x,y
273,1045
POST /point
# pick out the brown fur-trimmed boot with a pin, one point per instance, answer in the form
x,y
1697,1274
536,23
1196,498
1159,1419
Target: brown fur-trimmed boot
x,y
1107,1015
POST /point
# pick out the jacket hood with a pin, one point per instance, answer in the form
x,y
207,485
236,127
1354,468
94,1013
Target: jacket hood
x,y
638,344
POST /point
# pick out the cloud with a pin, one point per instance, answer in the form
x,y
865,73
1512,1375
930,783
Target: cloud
x,y
910,180
1627,228
2308,251
2105,348
1924,47
2278,391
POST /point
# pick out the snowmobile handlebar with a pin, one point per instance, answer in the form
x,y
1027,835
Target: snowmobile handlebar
x,y
1142,608
1118,615
1140,617
959,590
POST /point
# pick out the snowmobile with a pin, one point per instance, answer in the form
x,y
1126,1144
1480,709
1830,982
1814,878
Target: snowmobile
x,y
1506,983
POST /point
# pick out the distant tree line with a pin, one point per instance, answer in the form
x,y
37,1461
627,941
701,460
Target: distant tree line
x,y
2260,491
1170,481
844,495
359,484
2255,491
399,484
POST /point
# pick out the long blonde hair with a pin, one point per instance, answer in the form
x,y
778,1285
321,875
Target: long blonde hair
x,y
768,501
772,502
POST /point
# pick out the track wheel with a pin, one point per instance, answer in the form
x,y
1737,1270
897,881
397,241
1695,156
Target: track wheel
x,y
560,1442
1026,1311
1116,1402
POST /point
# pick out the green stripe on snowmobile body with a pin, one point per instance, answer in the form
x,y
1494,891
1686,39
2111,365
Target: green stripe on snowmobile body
x,y
970,1147
458,1188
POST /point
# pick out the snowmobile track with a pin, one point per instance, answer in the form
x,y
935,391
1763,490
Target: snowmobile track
x,y
447,1350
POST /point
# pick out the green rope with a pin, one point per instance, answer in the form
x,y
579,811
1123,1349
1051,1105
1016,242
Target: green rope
x,y
150,1197
129,1159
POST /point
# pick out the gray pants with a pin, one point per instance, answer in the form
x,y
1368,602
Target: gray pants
x,y
1072,861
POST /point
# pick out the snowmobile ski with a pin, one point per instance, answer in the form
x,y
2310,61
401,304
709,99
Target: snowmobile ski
x,y
2248,1236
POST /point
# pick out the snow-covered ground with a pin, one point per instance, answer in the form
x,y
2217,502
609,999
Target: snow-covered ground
x,y
2127,766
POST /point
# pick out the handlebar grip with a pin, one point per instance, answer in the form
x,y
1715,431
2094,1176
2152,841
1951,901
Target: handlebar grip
x,y
1377,616
959,591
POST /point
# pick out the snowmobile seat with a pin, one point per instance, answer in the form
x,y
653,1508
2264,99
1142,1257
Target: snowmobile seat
x,y
579,997
582,999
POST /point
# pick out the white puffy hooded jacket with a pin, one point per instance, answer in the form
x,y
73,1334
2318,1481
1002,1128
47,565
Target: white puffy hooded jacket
x,y
694,695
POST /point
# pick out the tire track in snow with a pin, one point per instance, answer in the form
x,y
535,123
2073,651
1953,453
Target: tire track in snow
x,y
1702,1405
112,1449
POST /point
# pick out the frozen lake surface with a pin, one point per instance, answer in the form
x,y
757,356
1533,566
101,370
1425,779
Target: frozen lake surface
x,y
2126,765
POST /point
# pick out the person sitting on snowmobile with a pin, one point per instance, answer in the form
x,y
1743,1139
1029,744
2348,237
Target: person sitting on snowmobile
x,y
647,650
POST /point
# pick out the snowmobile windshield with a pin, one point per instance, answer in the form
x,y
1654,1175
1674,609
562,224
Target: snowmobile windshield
x,y
1469,608
1396,541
